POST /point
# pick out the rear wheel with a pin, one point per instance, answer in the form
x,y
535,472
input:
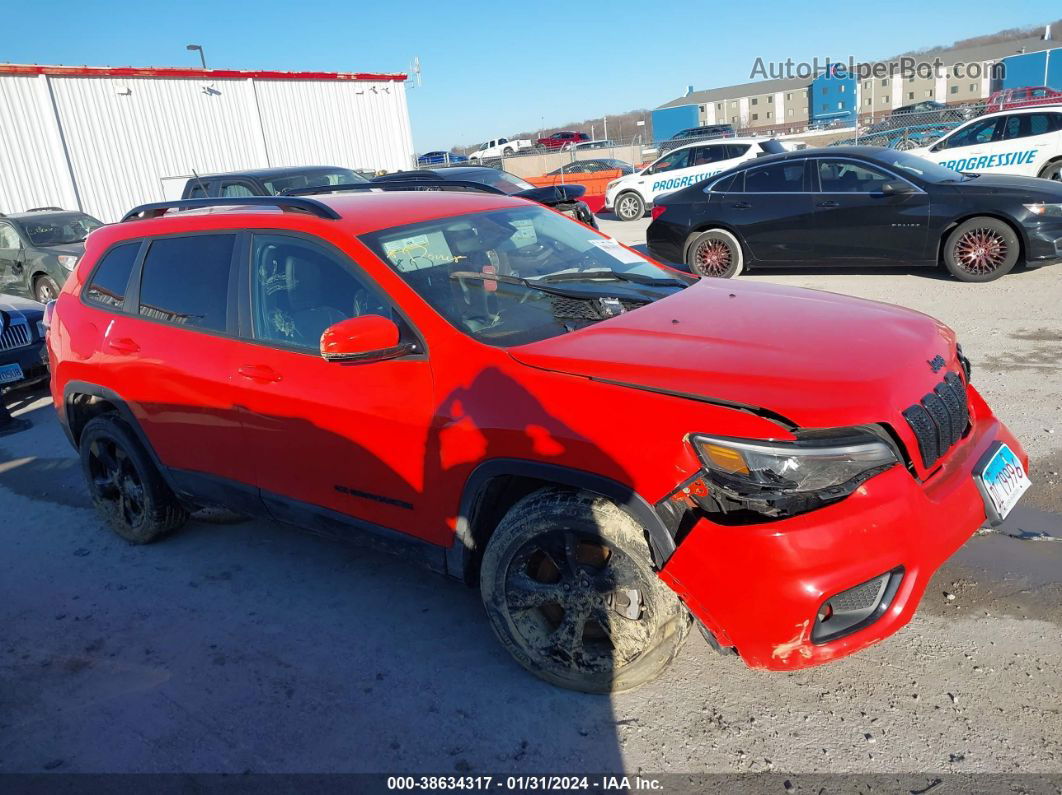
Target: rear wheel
x,y
715,253
570,592
124,484
508,152
1052,171
629,206
981,250
45,289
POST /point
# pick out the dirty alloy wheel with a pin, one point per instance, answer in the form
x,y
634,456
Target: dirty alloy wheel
x,y
124,484
715,253
45,289
629,206
981,250
1052,171
570,592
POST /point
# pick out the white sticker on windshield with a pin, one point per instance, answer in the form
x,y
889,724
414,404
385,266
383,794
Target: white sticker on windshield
x,y
525,232
614,249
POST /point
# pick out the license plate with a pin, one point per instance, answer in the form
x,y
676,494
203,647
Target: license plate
x,y
10,373
1002,481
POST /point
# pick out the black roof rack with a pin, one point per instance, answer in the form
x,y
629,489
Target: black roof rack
x,y
44,209
156,209
414,183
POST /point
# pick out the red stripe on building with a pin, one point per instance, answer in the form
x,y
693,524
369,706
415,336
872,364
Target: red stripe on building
x,y
179,72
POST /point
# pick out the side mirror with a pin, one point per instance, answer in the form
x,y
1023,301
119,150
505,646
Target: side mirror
x,y
369,338
896,188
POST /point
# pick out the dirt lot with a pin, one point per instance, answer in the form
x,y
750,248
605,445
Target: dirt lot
x,y
253,647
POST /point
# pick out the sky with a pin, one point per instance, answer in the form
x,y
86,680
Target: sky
x,y
494,68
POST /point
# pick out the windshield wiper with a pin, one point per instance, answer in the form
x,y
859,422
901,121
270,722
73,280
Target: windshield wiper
x,y
536,284
604,273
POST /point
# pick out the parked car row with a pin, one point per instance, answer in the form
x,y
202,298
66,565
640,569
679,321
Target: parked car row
x,y
456,372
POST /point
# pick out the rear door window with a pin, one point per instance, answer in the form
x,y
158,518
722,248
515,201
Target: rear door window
x,y
185,281
107,286
787,177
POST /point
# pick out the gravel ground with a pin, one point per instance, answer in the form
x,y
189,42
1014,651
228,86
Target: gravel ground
x,y
252,647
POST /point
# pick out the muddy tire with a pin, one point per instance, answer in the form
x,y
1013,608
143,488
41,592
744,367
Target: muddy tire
x,y
716,253
124,484
629,206
45,289
570,592
981,250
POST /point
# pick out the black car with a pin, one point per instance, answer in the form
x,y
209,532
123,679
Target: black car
x,y
692,134
593,166
267,181
563,198
23,358
858,205
39,248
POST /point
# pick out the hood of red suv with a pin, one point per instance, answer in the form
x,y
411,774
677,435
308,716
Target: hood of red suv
x,y
818,359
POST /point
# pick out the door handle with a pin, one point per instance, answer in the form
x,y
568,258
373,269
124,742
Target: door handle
x,y
741,205
828,204
123,345
259,372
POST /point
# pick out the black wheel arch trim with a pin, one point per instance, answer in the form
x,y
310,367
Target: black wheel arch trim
x,y
461,556
74,388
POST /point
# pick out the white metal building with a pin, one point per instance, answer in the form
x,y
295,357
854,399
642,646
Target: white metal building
x,y
103,139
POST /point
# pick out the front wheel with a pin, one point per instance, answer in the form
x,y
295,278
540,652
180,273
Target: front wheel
x,y
1052,171
45,289
570,592
715,253
981,250
629,206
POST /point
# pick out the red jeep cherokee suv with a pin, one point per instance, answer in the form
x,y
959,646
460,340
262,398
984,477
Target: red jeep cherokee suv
x,y
611,449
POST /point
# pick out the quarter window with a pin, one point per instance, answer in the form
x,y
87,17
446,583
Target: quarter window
x,y
299,289
185,281
109,279
776,178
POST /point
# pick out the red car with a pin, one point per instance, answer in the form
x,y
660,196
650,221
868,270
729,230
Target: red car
x,y
609,449
1025,97
565,139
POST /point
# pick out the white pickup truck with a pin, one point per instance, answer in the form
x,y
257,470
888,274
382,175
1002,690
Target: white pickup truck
x,y
500,147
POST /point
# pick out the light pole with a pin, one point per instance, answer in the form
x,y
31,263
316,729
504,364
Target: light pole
x,y
202,56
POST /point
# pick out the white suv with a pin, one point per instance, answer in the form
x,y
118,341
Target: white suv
x,y
629,197
1022,141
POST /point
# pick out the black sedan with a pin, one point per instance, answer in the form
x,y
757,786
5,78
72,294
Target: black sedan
x,y
563,198
858,205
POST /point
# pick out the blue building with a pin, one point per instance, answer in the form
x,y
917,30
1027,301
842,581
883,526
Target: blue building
x,y
1034,69
833,97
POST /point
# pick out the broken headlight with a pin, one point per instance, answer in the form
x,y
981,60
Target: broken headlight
x,y
786,478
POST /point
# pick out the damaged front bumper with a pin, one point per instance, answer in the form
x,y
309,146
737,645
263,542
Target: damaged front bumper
x,y
771,590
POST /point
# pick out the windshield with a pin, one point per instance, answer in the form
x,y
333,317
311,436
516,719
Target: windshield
x,y
520,275
923,169
502,180
59,229
312,179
